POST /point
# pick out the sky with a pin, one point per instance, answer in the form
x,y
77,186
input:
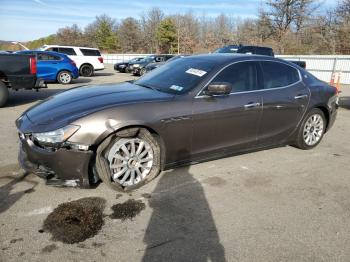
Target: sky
x,y
25,20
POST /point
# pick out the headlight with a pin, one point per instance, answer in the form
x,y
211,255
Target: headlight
x,y
136,65
57,136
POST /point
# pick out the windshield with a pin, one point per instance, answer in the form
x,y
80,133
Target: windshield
x,y
147,59
41,48
179,76
136,59
226,49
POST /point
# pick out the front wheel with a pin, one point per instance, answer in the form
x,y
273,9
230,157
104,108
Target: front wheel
x,y
142,71
311,130
64,77
128,160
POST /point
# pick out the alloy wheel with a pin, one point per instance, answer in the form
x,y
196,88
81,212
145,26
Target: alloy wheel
x,y
313,129
130,161
65,78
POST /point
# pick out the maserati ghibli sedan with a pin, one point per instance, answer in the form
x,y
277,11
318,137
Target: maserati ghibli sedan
x,y
193,109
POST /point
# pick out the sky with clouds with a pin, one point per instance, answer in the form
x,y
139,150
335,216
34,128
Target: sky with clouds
x,y
24,20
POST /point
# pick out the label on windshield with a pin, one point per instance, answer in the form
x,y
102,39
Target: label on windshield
x,y
196,72
176,88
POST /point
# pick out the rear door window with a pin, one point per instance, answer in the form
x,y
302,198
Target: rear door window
x,y
278,74
47,57
54,49
90,52
264,51
243,77
66,50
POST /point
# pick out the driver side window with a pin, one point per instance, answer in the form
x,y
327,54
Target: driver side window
x,y
242,76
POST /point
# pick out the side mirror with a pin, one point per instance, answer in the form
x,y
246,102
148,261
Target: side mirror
x,y
218,89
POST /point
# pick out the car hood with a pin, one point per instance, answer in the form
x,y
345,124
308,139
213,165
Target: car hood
x,y
154,65
63,108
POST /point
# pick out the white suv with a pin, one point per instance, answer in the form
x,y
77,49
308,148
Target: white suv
x,y
87,59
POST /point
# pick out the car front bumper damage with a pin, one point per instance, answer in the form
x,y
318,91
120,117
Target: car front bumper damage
x,y
68,167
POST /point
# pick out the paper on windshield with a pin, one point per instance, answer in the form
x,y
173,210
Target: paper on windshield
x,y
176,88
196,72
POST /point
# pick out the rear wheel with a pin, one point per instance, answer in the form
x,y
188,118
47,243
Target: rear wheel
x,y
64,77
311,130
86,70
4,94
128,160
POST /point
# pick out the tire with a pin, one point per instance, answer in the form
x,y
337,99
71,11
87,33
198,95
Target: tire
x,y
110,166
4,94
64,77
310,133
142,71
86,70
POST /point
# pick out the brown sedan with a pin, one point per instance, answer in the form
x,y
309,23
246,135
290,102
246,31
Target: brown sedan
x,y
193,109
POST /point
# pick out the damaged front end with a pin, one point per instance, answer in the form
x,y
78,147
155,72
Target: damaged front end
x,y
62,164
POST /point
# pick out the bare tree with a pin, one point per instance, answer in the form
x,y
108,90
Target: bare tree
x,y
71,35
187,33
150,23
129,34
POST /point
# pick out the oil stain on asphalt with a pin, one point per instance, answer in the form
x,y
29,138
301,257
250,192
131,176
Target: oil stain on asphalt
x,y
75,221
49,248
127,210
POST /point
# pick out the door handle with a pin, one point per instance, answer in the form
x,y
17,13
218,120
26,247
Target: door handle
x,y
251,105
298,97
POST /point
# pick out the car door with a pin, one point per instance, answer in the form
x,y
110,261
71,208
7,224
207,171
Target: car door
x,y
228,121
48,66
285,100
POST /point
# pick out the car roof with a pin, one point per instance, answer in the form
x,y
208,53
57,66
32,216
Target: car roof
x,y
45,52
70,46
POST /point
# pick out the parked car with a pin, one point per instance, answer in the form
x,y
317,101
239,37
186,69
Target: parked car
x,y
53,66
244,49
194,109
152,66
17,71
138,68
302,64
257,50
88,60
123,67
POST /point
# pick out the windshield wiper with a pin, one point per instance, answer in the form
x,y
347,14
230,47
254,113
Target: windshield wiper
x,y
146,86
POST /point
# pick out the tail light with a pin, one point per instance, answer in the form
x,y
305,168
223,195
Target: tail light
x,y
33,68
100,59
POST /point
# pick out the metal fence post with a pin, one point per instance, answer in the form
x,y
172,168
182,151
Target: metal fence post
x,y
334,65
